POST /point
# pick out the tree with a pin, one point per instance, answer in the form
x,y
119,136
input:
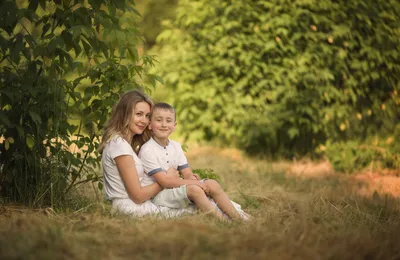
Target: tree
x,y
63,66
283,77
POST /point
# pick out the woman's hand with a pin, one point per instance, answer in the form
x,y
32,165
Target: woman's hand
x,y
172,173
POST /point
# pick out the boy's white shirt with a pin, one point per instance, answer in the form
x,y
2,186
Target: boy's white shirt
x,y
156,158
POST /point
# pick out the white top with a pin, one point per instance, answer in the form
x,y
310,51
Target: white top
x,y
156,158
113,184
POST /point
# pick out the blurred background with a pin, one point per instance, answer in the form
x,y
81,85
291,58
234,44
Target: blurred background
x,y
282,78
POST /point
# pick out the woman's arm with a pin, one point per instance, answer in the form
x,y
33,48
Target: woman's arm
x,y
127,170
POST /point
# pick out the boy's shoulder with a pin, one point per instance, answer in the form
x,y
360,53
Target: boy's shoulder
x,y
175,144
146,146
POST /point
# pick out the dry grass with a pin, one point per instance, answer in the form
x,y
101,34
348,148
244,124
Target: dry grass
x,y
295,217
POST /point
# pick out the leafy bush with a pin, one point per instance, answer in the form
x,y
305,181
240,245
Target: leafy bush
x,y
207,174
283,77
63,65
351,156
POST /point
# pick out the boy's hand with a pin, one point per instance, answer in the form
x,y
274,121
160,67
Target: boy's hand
x,y
204,187
194,177
172,173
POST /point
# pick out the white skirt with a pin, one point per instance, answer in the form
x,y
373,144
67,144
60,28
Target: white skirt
x,y
147,208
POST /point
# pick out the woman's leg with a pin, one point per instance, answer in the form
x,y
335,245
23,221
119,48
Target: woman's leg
x,y
197,195
221,199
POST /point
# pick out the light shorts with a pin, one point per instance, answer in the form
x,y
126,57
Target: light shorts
x,y
175,198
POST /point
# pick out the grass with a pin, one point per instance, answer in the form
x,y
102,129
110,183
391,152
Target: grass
x,y
294,218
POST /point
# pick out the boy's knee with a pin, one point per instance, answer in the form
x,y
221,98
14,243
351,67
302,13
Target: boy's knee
x,y
194,191
213,185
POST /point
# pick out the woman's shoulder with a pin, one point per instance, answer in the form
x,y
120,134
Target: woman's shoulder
x,y
117,142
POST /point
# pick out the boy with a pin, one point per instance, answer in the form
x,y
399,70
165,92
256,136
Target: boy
x,y
159,154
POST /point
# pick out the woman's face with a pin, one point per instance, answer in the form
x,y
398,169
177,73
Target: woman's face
x,y
140,118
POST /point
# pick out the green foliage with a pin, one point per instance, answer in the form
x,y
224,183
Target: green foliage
x,y
351,156
207,174
63,65
154,13
283,77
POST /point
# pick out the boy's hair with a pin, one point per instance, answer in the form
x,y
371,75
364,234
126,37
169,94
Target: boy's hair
x,y
165,106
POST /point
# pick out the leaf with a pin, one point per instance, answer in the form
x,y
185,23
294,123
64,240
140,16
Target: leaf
x,y
100,185
42,4
156,77
185,148
293,132
33,4
30,141
17,48
4,119
35,117
45,28
20,131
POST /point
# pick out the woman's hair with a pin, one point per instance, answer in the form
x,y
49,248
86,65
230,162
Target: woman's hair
x,y
118,123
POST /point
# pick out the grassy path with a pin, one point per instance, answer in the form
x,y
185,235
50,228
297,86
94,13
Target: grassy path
x,y
294,218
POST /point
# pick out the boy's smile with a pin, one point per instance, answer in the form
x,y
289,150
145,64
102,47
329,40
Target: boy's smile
x,y
162,124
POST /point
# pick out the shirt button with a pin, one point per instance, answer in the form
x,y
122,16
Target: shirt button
x,y
166,153
167,161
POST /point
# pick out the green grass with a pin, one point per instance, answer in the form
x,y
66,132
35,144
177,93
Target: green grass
x,y
293,218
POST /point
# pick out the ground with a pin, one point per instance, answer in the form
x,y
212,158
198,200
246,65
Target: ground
x,y
301,210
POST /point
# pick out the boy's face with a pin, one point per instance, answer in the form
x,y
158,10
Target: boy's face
x,y
162,123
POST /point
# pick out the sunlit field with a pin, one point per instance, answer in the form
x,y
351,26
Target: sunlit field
x,y
295,216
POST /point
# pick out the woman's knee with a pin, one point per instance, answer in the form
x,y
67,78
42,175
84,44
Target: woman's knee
x,y
194,191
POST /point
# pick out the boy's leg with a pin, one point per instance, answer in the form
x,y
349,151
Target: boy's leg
x,y
221,199
197,195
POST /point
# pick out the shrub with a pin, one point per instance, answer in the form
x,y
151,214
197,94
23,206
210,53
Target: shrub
x,y
63,65
353,155
207,174
283,77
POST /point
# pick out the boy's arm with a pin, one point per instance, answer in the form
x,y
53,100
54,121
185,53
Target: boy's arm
x,y
188,174
183,166
153,168
168,182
